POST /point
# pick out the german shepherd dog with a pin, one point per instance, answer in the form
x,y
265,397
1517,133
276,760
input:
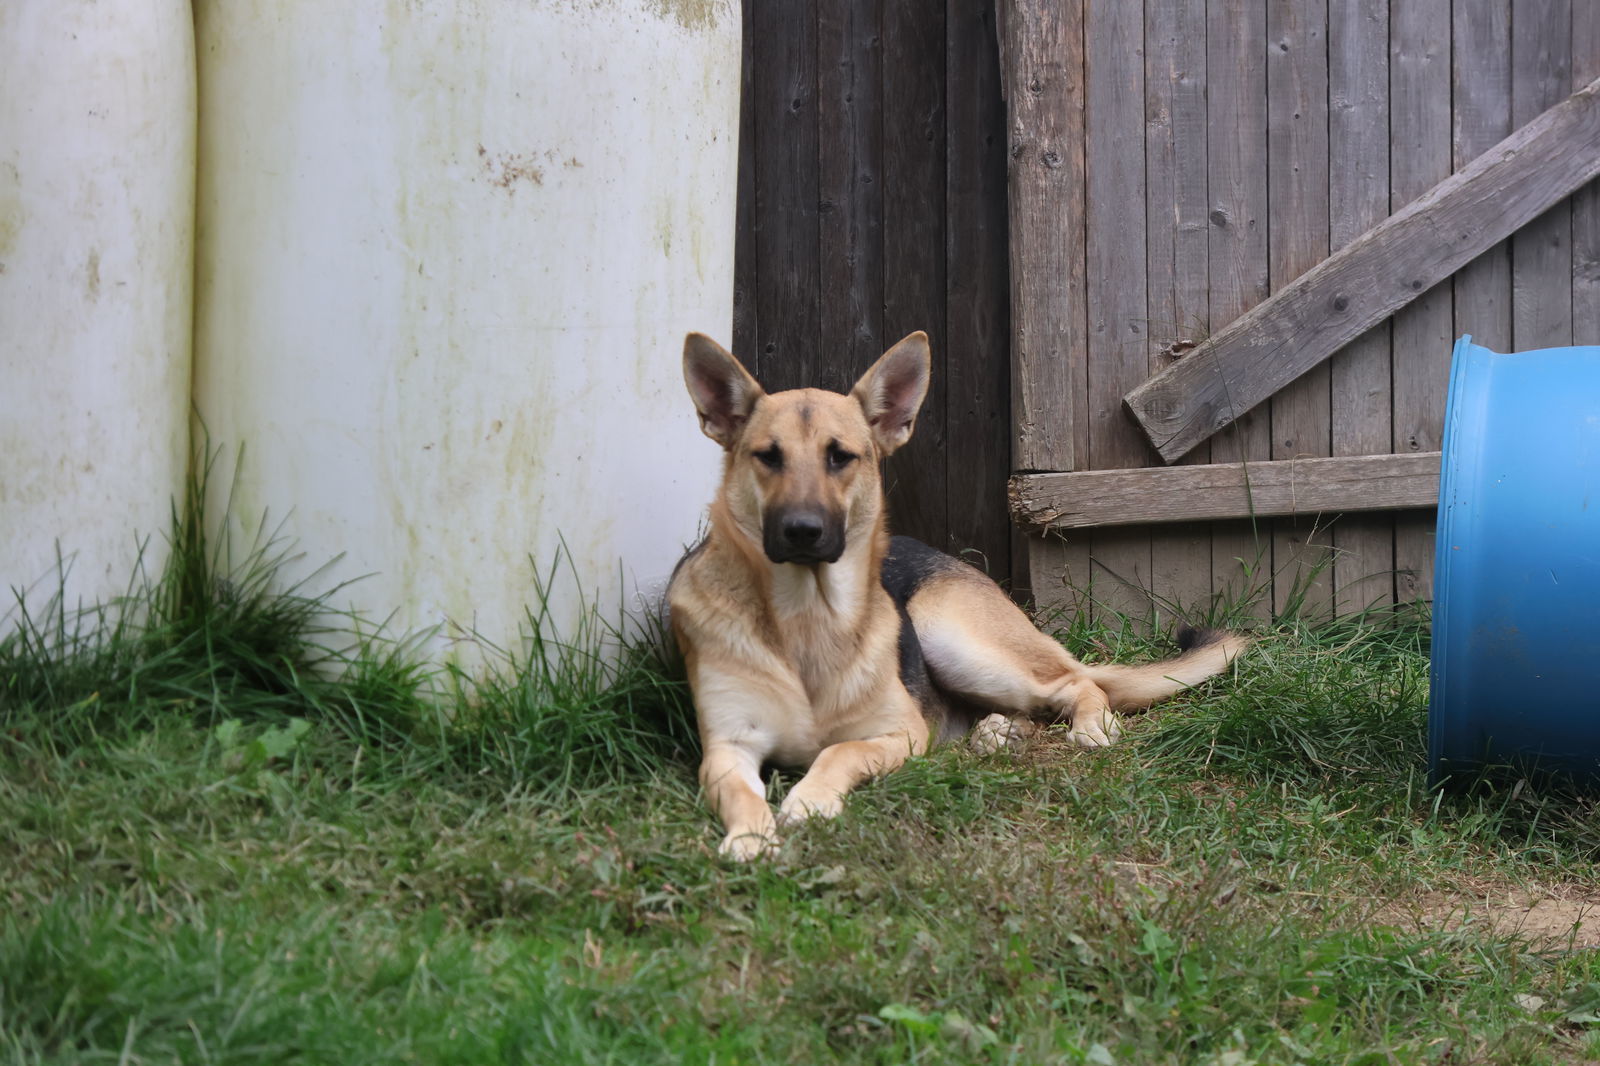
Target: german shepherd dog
x,y
813,639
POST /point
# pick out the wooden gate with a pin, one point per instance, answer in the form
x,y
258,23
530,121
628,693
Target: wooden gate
x,y
1243,238
872,202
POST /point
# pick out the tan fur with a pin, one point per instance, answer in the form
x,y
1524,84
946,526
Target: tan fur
x,y
980,647
796,662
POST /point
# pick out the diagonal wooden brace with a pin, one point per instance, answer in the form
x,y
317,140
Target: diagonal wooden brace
x,y
1372,277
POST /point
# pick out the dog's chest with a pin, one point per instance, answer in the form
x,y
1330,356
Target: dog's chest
x,y
840,655
832,670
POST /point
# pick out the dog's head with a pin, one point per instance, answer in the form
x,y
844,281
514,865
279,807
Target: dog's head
x,y
801,475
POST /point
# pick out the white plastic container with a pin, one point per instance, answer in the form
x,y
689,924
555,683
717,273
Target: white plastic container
x,y
97,106
447,255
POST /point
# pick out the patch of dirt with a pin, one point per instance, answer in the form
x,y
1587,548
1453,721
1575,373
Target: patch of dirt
x,y
1557,917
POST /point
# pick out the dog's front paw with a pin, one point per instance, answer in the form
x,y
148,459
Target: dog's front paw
x,y
1098,729
745,845
801,804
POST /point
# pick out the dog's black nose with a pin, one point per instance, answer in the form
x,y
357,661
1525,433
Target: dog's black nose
x,y
804,535
802,530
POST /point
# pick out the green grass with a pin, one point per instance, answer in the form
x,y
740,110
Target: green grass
x,y
234,832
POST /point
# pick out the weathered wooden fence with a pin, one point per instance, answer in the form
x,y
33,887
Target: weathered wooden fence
x,y
872,202
1177,164
1174,165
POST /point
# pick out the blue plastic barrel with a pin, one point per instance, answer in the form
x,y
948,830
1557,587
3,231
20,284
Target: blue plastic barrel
x,y
1516,608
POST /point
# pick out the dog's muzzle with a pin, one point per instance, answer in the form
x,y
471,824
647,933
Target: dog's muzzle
x,y
807,536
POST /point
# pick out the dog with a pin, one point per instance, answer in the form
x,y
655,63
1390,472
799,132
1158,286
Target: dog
x,y
815,640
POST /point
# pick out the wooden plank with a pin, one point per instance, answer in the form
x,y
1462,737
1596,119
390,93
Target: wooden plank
x,y
1042,56
1297,240
978,392
1420,125
1586,203
1059,569
1118,350
785,101
914,249
746,260
1358,199
1042,76
1177,260
850,185
1236,170
1481,118
1541,253
1372,277
1089,499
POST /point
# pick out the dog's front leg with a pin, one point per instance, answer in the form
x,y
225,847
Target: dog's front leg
x,y
841,767
731,777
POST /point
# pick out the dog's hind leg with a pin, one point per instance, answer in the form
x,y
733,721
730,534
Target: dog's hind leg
x,y
980,646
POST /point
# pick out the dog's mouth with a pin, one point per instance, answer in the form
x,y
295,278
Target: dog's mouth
x,y
804,558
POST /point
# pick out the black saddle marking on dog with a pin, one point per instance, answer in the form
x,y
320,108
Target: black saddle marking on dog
x,y
913,667
909,565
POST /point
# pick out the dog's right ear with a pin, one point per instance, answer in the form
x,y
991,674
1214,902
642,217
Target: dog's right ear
x,y
724,393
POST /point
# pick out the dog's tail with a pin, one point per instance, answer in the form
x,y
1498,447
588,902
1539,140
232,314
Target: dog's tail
x,y
1206,652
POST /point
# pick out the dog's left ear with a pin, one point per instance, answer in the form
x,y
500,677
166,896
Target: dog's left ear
x,y
891,393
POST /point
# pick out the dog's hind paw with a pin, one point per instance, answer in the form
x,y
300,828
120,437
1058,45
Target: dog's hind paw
x,y
996,732
745,846
1095,730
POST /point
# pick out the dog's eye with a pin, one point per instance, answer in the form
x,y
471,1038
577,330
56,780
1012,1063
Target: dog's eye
x,y
838,458
771,457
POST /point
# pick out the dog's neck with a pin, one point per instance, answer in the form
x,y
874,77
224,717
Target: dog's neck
x,y
839,591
